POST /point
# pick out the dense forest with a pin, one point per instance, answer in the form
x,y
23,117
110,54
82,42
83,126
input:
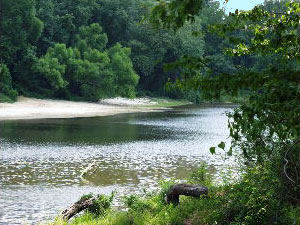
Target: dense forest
x,y
87,50
90,49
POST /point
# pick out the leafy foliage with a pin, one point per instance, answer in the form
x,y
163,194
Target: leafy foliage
x,y
52,71
19,30
101,204
87,70
7,93
175,13
266,128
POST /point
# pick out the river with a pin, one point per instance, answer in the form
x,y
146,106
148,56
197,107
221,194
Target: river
x,y
41,160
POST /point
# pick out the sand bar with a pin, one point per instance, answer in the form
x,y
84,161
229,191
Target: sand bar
x,y
32,108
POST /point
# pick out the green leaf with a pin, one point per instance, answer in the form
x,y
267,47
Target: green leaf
x,y
221,145
212,150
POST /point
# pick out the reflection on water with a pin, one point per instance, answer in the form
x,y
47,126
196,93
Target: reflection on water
x,y
41,160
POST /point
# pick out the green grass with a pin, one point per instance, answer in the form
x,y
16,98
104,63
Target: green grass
x,y
111,218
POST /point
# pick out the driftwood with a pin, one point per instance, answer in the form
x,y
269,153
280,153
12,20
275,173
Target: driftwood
x,y
89,169
77,207
185,189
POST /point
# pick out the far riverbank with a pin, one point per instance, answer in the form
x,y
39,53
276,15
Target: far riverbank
x,y
32,108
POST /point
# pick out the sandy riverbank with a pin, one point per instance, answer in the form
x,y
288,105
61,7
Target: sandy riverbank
x,y
32,108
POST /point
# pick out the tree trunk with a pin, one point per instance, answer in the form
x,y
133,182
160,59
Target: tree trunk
x,y
77,207
185,189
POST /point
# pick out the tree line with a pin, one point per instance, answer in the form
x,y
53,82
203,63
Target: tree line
x,y
91,49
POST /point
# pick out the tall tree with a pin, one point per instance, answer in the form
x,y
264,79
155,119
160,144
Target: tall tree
x,y
88,70
7,93
19,31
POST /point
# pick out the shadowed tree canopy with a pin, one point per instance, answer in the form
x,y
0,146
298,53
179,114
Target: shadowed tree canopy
x,y
19,31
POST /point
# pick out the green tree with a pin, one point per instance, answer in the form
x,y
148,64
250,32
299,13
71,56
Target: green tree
x,y
91,37
51,70
121,65
19,31
7,93
87,70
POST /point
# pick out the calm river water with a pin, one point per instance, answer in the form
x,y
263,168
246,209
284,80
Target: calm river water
x,y
41,160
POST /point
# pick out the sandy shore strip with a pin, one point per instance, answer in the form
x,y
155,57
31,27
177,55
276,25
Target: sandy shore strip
x,y
32,108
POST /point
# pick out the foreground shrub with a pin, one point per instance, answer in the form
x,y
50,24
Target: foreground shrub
x,y
100,205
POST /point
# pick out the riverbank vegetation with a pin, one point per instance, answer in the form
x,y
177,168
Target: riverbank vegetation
x,y
251,199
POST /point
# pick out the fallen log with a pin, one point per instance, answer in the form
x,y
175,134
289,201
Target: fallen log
x,y
77,207
88,169
185,189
